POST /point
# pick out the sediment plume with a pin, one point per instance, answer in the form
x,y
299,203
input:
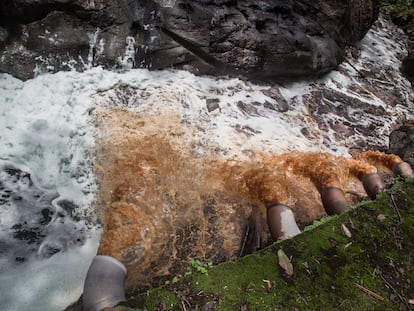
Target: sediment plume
x,y
378,158
162,204
358,168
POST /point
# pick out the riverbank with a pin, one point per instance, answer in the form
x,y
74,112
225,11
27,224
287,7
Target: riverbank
x,y
360,260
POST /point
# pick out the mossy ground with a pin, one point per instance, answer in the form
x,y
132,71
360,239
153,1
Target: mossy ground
x,y
373,269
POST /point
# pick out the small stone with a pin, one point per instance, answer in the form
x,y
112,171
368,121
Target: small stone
x,y
247,108
381,217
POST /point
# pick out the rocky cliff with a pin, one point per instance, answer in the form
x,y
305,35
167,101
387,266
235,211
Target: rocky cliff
x,y
260,39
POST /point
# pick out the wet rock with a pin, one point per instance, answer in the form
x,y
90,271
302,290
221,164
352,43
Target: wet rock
x,y
212,104
4,34
276,39
274,93
269,105
351,115
402,142
246,130
37,226
248,109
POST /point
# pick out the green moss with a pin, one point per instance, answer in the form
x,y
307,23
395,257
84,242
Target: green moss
x,y
153,299
401,12
373,269
317,223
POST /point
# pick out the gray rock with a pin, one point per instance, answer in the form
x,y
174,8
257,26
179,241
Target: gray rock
x,y
258,39
402,142
274,93
212,104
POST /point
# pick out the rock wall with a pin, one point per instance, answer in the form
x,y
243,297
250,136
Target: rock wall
x,y
407,66
402,142
260,39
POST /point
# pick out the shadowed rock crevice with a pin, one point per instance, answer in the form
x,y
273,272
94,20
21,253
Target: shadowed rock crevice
x,y
402,142
12,14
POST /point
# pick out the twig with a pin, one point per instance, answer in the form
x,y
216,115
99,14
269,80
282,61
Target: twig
x,y
182,303
404,301
396,208
183,300
316,260
369,292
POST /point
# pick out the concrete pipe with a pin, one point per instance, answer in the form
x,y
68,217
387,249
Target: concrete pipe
x,y
281,221
373,184
403,169
104,284
333,200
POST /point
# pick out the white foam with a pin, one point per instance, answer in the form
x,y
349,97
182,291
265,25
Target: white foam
x,y
44,126
50,284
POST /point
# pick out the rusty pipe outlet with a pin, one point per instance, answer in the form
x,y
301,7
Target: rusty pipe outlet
x,y
104,284
373,184
333,200
281,221
403,169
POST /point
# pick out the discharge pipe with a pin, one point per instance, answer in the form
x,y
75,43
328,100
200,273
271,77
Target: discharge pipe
x,y
104,284
333,200
373,184
403,169
281,222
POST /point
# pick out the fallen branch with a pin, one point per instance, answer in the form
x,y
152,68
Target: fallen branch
x,y
396,208
369,292
404,301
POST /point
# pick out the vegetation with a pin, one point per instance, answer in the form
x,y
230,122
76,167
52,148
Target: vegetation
x,y
195,265
360,260
401,13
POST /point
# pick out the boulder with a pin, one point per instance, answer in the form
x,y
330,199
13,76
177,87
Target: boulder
x,y
258,39
402,142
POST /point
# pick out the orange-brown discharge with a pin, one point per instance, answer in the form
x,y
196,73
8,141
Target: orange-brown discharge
x,y
161,205
379,159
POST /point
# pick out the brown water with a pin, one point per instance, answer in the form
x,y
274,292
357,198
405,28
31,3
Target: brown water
x,y
161,205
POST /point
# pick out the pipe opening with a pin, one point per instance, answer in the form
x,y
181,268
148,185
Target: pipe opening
x,y
104,284
333,200
281,222
373,184
403,169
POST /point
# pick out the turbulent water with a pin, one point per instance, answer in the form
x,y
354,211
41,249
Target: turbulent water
x,y
51,128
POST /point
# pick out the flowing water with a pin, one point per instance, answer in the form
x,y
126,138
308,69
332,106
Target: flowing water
x,y
175,166
163,204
